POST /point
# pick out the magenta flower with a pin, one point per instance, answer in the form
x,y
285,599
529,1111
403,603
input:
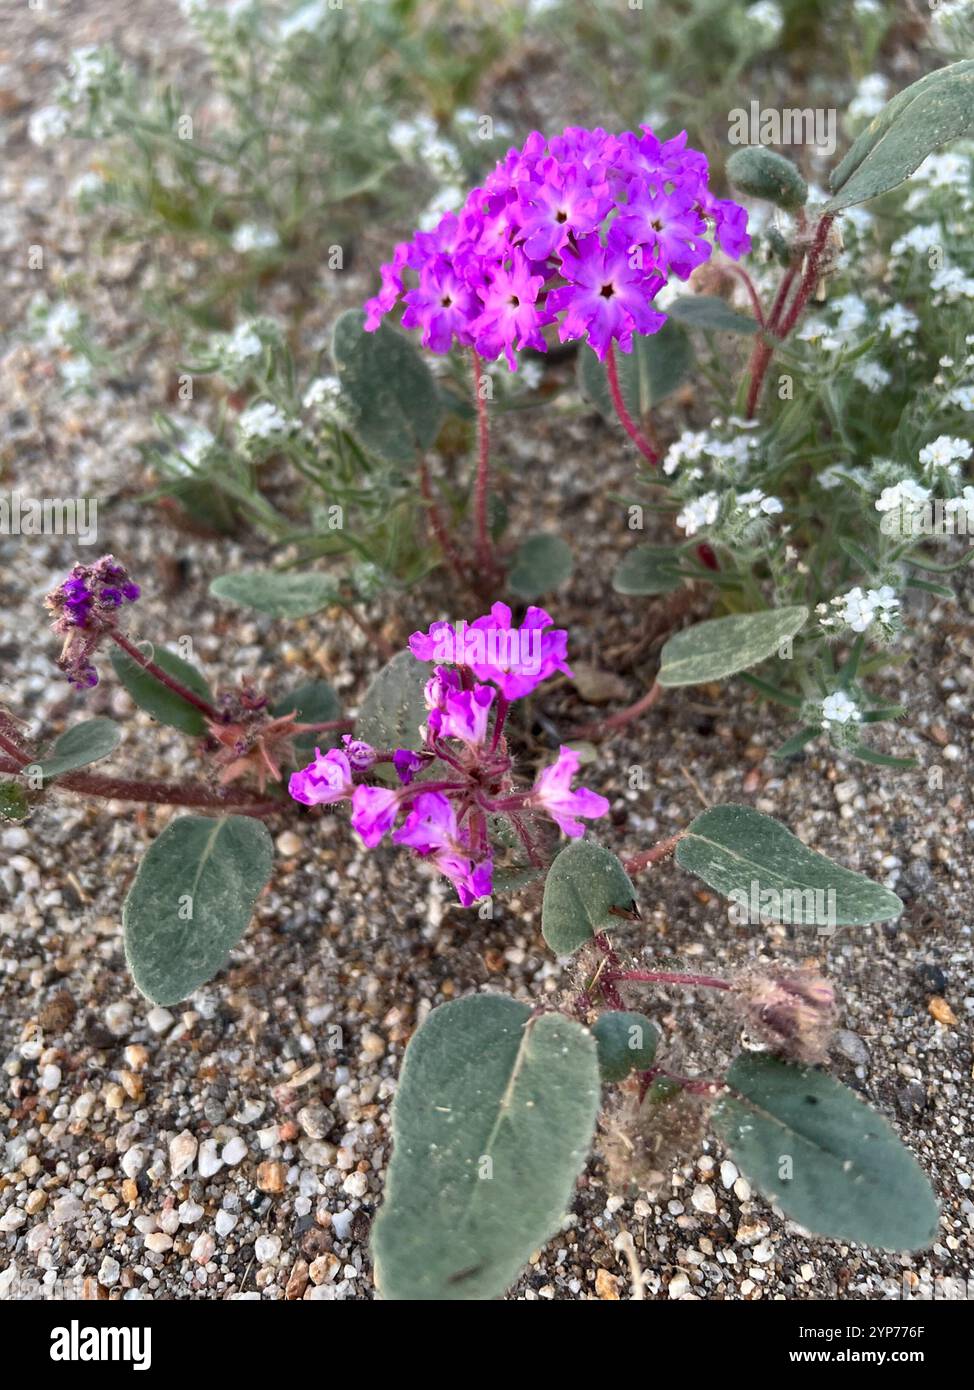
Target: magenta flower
x,y
607,297
552,793
327,780
510,316
516,659
670,229
360,755
85,607
559,204
431,829
374,811
465,715
407,763
443,306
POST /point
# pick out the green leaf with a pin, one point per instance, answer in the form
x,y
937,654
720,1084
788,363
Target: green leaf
x,y
81,745
394,707
797,742
866,754
583,885
491,1125
626,1042
722,646
315,702
389,393
658,364
648,569
763,173
541,563
281,593
14,805
709,311
848,1174
752,858
157,699
929,113
191,901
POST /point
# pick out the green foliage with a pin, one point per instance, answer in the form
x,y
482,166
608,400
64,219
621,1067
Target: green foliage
x,y
626,1042
829,1161
584,884
282,594
737,851
388,391
157,699
763,173
83,744
722,646
648,569
658,364
492,1122
936,109
315,702
192,900
540,564
707,311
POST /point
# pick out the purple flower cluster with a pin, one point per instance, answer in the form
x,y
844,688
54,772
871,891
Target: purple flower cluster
x,y
582,230
464,755
84,606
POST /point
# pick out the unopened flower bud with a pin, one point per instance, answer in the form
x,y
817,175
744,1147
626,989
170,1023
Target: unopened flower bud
x,y
791,1010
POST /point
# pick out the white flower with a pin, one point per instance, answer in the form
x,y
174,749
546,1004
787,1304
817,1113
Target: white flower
x,y
872,375
766,15
964,503
962,396
755,503
923,237
852,313
870,97
242,344
907,494
47,123
87,185
195,440
322,394
951,282
817,332
76,371
702,511
59,323
250,236
87,69
944,169
898,320
689,448
263,421
837,708
945,452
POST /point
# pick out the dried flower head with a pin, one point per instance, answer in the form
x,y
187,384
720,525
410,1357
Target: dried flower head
x,y
793,1011
85,607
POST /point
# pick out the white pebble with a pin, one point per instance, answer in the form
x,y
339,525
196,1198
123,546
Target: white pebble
x,y
133,1161
234,1151
210,1161
190,1213
267,1248
204,1248
728,1173
118,1018
678,1285
356,1185
160,1020
67,1208
704,1200
763,1253
110,1272
12,1219
50,1078
225,1222
182,1151
169,1221
158,1242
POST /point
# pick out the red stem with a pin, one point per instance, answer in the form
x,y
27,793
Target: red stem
x,y
755,298
625,716
625,419
439,526
638,862
158,793
668,977
163,677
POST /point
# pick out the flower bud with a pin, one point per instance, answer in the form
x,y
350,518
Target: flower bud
x,y
791,1010
764,174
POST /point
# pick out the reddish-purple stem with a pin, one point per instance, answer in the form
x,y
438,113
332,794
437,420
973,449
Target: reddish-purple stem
x,y
625,419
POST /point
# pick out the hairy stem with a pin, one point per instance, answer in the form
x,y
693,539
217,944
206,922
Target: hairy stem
x,y
440,531
625,419
668,977
158,793
625,716
205,708
638,862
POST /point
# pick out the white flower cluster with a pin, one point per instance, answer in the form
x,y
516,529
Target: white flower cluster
x,y
756,503
47,124
945,455
51,325
873,375
898,321
838,708
693,446
194,443
905,496
265,421
704,510
323,395
859,610
251,236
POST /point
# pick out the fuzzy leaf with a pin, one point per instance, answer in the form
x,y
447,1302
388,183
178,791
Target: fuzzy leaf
x,y
658,364
738,851
626,1042
281,593
721,646
584,883
491,1124
394,708
83,744
388,391
929,113
648,569
315,702
157,699
541,563
192,900
710,312
851,1177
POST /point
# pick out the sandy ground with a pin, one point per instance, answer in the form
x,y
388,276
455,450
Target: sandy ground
x,y
228,1148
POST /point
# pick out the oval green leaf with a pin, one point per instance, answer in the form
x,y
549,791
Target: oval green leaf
x,y
648,569
710,312
157,699
766,870
192,900
394,708
313,703
583,885
626,1042
847,1174
388,392
722,646
491,1124
81,745
540,564
282,594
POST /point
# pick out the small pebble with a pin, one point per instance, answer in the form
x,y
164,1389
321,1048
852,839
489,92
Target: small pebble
x,y
158,1242
704,1200
234,1152
160,1020
182,1152
267,1248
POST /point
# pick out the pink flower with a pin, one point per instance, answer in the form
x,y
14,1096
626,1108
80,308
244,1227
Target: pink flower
x,y
511,317
361,755
561,202
516,659
466,715
669,226
374,811
552,793
328,779
607,297
431,829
